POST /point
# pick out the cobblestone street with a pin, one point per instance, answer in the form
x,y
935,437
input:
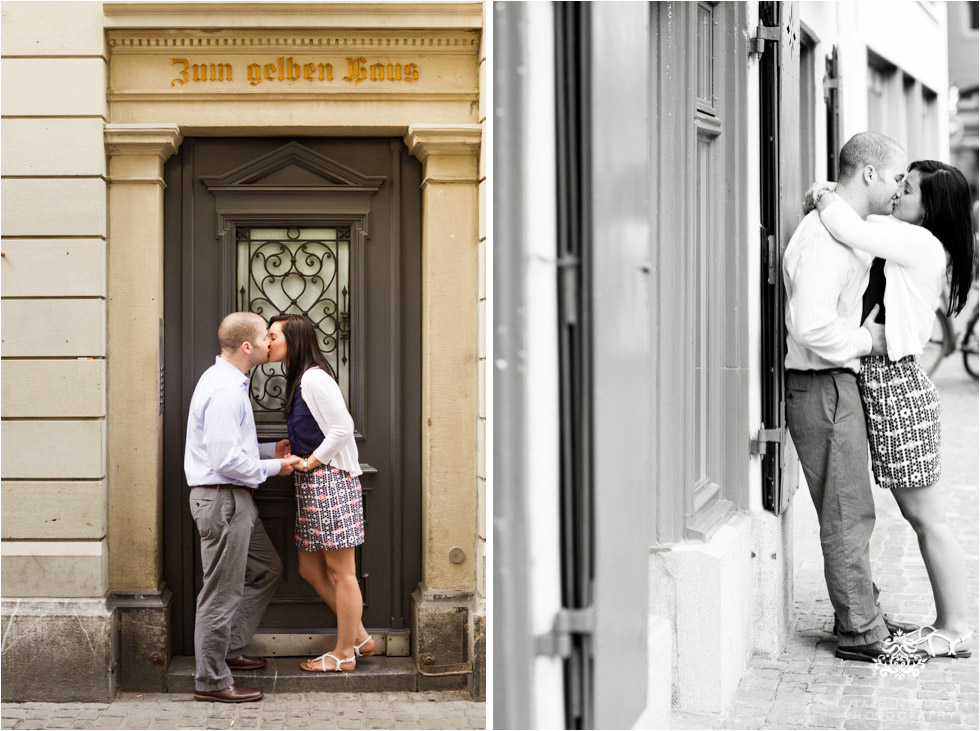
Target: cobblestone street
x,y
807,687
427,710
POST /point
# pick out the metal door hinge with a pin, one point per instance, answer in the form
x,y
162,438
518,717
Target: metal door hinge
x,y
568,277
769,252
829,83
757,44
764,438
568,622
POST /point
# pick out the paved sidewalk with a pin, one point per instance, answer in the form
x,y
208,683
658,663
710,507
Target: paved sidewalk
x,y
427,710
807,687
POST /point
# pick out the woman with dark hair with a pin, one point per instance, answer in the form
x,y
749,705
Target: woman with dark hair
x,y
926,246
329,508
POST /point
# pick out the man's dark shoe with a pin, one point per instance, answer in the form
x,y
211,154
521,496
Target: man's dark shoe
x,y
894,626
244,662
235,693
881,653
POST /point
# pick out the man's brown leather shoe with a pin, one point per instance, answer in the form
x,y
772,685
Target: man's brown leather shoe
x,y
234,693
244,662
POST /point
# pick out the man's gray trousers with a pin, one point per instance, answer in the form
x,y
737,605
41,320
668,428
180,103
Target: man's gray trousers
x,y
826,421
241,571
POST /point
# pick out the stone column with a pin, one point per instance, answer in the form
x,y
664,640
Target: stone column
x,y
136,154
450,295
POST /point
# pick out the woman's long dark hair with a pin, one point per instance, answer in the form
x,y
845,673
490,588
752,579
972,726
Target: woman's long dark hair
x,y
302,352
948,209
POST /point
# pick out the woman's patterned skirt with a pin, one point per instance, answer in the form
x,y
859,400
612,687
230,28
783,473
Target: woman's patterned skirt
x,y
329,509
902,410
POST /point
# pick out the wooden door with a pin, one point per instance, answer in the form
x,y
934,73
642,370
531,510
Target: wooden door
x,y
329,228
781,214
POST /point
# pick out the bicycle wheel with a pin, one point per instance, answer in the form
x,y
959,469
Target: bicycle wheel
x,y
971,360
941,343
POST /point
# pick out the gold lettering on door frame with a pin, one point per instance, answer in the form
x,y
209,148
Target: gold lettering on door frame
x,y
290,68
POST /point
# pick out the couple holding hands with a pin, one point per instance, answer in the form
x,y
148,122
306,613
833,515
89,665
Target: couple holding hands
x,y
224,463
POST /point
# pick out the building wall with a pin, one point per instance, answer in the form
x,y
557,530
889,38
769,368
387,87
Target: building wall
x,y
890,32
481,373
964,75
963,38
54,299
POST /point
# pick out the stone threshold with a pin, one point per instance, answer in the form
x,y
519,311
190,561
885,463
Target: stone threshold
x,y
376,674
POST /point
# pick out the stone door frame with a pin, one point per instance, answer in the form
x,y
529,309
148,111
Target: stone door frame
x,y
136,153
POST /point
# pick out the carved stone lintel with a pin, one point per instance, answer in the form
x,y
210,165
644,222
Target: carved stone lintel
x,y
449,153
444,139
162,140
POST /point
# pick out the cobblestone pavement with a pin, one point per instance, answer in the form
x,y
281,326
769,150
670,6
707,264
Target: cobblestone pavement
x,y
427,710
806,686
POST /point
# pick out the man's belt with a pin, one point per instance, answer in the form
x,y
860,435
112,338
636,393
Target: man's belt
x,y
224,485
822,372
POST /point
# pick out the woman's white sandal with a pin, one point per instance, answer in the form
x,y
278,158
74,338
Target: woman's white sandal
x,y
323,664
919,635
357,648
951,644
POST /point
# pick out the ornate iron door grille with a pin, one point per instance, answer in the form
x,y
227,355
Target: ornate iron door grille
x,y
302,271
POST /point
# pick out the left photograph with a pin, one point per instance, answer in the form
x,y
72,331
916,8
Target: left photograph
x,y
243,365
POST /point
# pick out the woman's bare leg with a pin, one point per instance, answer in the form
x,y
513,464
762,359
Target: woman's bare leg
x,y
347,595
943,557
313,569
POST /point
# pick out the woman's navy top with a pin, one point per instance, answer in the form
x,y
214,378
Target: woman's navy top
x,y
875,293
304,432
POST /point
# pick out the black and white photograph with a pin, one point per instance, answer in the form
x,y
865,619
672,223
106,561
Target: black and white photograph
x,y
735,399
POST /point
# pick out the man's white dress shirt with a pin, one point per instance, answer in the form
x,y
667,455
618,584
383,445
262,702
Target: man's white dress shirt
x,y
222,446
825,282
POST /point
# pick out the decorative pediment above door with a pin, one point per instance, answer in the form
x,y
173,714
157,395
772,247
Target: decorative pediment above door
x,y
294,167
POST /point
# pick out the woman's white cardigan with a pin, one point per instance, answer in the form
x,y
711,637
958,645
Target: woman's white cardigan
x,y
915,272
325,401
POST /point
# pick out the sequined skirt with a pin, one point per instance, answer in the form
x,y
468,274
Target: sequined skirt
x,y
902,410
329,509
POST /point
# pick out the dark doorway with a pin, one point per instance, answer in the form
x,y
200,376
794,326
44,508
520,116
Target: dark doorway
x,y
330,228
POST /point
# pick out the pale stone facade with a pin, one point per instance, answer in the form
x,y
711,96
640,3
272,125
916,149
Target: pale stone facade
x,y
93,106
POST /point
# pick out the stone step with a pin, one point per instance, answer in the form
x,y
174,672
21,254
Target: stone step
x,y
283,675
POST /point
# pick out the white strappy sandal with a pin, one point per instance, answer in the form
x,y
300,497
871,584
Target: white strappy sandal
x,y
951,644
357,648
323,664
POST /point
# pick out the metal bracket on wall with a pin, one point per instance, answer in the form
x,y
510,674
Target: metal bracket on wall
x,y
764,438
568,622
763,33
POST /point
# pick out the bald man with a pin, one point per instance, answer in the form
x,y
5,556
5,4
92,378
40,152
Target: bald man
x,y
224,463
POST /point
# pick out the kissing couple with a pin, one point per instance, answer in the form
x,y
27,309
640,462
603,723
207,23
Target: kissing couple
x,y
864,273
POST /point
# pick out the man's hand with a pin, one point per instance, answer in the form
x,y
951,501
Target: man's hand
x,y
282,449
878,344
288,464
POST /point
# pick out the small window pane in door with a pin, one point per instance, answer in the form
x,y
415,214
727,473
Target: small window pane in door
x,y
706,74
296,270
